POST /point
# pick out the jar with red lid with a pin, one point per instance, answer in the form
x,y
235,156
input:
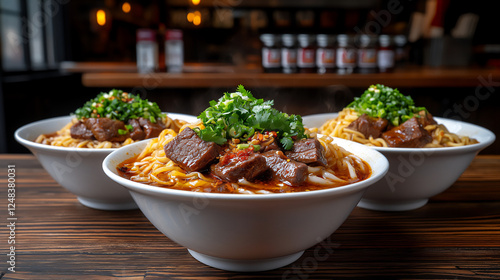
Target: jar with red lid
x,y
325,53
271,53
346,54
146,51
385,55
367,54
400,50
174,51
306,54
288,53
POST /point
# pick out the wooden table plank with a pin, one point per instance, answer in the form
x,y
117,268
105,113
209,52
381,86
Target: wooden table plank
x,y
455,236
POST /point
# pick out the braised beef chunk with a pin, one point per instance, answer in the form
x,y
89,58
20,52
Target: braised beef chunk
x,y
284,169
270,147
309,151
80,131
151,129
190,151
105,129
247,167
426,118
369,126
409,134
137,133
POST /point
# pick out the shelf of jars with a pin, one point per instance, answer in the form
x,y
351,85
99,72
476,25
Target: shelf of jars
x,y
230,77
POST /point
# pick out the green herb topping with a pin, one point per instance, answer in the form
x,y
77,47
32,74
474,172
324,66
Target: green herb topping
x,y
380,101
119,105
240,115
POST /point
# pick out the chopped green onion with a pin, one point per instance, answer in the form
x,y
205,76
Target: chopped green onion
x,y
380,101
246,146
119,105
243,146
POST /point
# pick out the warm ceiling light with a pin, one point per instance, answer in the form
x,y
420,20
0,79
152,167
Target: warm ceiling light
x,y
101,17
197,19
126,7
190,17
195,2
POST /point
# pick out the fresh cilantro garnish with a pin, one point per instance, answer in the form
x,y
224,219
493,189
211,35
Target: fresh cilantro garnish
x,y
240,115
119,105
380,101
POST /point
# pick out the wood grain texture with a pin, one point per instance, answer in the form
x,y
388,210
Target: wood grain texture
x,y
412,77
455,236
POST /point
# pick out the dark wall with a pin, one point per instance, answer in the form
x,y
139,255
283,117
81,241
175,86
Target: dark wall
x,y
31,98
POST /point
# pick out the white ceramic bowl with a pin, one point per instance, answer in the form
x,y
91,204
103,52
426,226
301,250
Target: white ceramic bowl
x,y
241,232
78,169
416,174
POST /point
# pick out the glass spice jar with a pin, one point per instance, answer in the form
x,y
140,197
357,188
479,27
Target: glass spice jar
x,y
400,50
288,53
146,51
346,54
306,54
271,53
385,55
325,53
174,51
367,54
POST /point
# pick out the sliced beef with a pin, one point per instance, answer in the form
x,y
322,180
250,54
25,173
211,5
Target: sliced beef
x,y
137,133
309,151
151,129
190,151
426,118
247,166
409,134
80,131
105,129
270,147
369,126
284,169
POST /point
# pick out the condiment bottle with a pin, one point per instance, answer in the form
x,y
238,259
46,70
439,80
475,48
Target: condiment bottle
x,y
271,53
367,54
146,51
325,53
288,54
385,56
306,61
400,52
174,51
346,55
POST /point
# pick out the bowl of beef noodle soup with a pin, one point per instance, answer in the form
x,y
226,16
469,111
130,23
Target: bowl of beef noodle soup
x,y
245,187
427,154
71,148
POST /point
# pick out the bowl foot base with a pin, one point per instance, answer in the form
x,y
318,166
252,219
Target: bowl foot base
x,y
100,205
245,265
392,206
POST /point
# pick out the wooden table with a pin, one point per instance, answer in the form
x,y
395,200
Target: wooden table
x,y
455,236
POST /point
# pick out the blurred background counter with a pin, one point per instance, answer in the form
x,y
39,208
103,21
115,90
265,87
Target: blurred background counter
x,y
419,77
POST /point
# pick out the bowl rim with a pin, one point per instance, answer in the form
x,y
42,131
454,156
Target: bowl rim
x,y
166,192
43,147
442,150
